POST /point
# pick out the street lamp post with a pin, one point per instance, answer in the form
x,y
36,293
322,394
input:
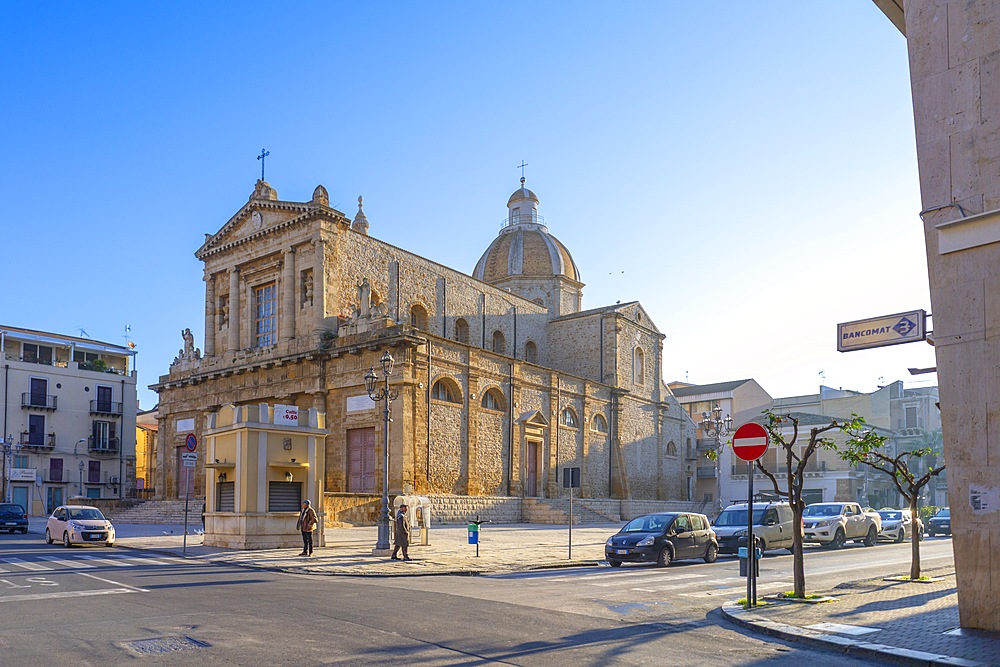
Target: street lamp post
x,y
82,466
715,426
386,395
8,447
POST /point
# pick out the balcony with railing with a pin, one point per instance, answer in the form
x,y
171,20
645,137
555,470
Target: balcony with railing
x,y
706,444
102,407
40,440
38,401
102,445
706,472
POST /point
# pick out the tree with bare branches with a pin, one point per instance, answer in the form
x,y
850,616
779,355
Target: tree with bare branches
x,y
871,452
783,431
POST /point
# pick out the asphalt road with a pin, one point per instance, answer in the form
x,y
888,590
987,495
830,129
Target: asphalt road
x,y
99,606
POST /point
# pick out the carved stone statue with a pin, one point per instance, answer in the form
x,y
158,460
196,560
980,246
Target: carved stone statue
x,y
365,298
188,337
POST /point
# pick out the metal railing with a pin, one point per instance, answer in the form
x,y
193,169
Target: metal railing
x,y
43,401
102,445
101,407
38,439
706,472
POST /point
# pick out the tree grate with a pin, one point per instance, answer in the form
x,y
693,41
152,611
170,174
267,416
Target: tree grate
x,y
165,645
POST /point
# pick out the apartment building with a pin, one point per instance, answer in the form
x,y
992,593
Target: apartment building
x,y
69,407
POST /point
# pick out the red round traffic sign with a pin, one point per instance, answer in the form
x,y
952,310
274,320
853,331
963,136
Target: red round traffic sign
x,y
191,442
750,441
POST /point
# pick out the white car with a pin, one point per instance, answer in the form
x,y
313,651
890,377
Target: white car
x,y
896,525
79,524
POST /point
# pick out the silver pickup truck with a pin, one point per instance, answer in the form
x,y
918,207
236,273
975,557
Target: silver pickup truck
x,y
834,524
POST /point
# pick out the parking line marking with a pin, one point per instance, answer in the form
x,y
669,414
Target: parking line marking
x,y
26,565
64,594
114,583
67,563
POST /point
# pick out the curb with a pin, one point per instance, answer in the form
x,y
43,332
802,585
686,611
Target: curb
x,y
735,612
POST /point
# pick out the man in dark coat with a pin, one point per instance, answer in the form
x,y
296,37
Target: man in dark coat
x,y
307,524
402,534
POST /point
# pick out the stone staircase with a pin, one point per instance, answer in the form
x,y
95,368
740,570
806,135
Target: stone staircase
x,y
157,511
556,511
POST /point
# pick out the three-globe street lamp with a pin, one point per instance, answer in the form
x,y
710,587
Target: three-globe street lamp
x,y
714,426
386,395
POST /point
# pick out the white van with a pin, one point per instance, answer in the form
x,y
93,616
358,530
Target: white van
x,y
772,523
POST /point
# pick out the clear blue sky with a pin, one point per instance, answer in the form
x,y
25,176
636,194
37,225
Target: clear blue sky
x,y
746,170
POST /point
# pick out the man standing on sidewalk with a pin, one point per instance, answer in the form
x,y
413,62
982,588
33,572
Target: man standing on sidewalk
x,y
402,534
307,524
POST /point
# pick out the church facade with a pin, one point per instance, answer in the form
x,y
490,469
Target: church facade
x,y
503,379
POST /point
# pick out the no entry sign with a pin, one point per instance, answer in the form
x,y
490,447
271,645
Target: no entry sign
x,y
750,441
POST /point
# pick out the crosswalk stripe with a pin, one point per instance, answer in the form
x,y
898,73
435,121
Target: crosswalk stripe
x,y
106,561
27,565
137,560
66,562
666,580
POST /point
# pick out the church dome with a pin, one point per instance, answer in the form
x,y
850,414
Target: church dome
x,y
524,247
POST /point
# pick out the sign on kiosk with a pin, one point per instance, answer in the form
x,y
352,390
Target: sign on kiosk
x,y
286,414
750,441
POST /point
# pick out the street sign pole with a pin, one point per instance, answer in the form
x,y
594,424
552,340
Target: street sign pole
x,y
187,494
750,441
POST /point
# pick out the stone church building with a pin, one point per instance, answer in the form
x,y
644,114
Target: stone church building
x,y
503,379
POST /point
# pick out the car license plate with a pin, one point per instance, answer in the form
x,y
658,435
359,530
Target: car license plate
x,y
10,523
621,552
92,536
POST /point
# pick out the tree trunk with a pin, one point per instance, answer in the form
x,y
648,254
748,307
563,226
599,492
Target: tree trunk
x,y
914,538
798,565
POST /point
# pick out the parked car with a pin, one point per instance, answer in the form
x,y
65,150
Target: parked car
x,y
13,518
940,523
897,525
772,525
79,524
663,538
833,524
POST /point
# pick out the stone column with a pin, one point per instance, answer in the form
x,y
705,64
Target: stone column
x,y
319,286
209,315
286,314
233,342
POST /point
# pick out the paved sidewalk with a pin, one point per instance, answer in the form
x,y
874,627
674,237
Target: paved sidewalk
x,y
884,621
880,621
502,548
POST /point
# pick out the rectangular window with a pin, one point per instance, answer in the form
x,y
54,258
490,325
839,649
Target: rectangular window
x,y
85,357
226,497
55,470
911,417
94,493
38,354
39,388
103,399
284,496
94,474
36,430
19,461
265,314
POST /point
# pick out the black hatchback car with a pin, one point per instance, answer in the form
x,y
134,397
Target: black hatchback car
x,y
940,523
663,538
13,518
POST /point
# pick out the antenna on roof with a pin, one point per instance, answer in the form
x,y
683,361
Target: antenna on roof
x,y
83,334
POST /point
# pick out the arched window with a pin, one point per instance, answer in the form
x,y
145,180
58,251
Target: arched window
x,y
499,343
441,391
462,331
671,449
531,352
538,301
493,400
418,316
599,424
569,418
639,366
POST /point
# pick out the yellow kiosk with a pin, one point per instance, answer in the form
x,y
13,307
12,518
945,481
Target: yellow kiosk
x,y
262,461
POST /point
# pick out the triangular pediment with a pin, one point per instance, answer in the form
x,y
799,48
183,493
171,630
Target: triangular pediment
x,y
535,418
